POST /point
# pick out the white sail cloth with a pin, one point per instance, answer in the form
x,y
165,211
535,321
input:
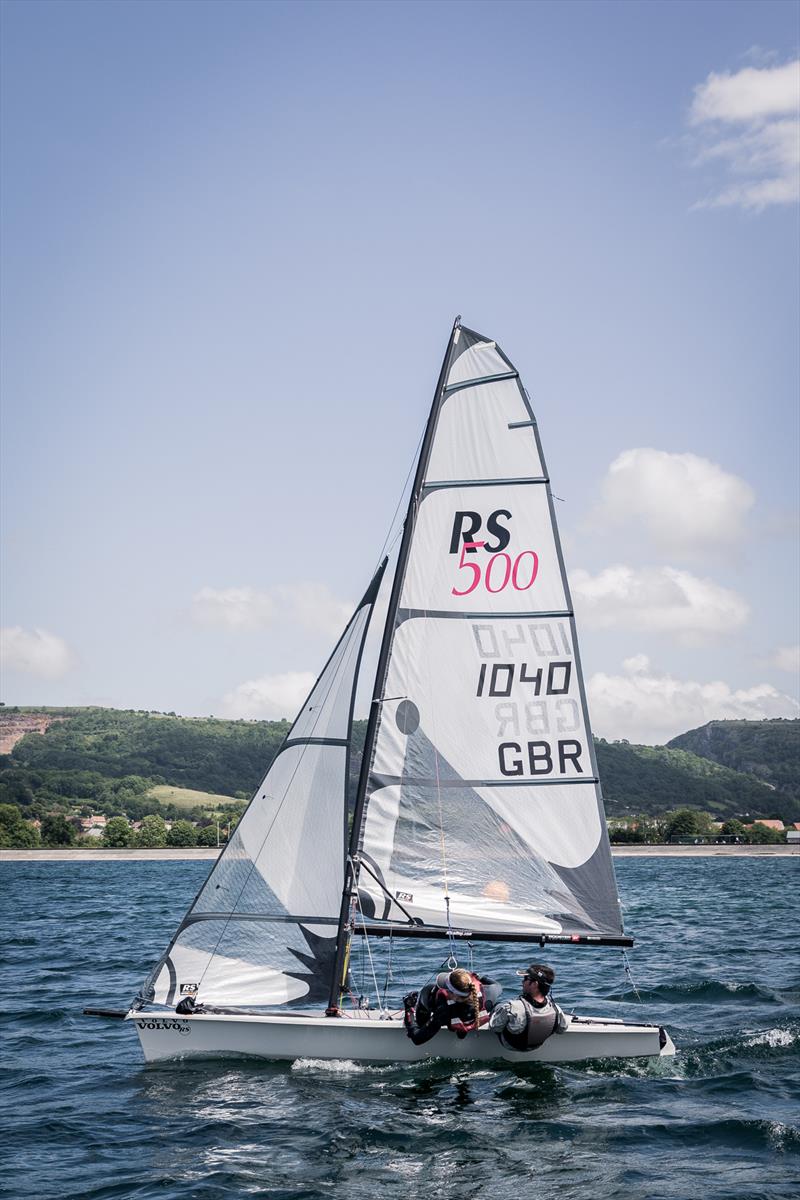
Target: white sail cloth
x,y
483,806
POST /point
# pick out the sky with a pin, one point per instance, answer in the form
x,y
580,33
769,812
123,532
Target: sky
x,y
234,239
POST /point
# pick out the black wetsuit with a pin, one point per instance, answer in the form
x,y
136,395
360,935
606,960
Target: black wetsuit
x,y
433,1013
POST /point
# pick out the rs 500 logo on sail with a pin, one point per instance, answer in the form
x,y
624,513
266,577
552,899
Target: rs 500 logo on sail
x,y
502,569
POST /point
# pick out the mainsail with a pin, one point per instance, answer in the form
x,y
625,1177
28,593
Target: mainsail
x,y
262,930
480,804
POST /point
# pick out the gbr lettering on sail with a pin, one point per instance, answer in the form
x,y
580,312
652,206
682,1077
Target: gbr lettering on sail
x,y
524,669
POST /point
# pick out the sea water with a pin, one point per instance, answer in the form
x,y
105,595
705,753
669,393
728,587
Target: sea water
x,y
716,961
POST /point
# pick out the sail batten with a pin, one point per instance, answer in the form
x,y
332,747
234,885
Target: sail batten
x,y
406,614
476,483
193,918
469,383
410,780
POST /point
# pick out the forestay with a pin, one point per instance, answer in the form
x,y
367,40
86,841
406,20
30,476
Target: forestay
x,y
262,929
483,808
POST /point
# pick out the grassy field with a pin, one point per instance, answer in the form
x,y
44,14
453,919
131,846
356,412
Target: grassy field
x,y
187,798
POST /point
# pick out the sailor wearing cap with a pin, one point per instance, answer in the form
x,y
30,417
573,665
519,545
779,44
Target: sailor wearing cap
x,y
527,1022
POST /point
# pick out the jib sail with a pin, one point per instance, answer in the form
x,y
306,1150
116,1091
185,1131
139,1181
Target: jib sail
x,y
263,927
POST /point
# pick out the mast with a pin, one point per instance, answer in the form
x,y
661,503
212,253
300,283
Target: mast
x,y
351,865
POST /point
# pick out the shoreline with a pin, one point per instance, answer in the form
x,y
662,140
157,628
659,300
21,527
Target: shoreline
x,y
191,855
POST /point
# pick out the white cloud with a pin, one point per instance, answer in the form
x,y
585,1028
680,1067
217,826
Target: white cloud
x,y
750,123
751,94
233,608
314,606
686,503
787,658
657,600
35,652
269,698
310,605
645,706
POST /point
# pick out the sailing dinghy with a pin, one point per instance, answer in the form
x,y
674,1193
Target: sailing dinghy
x,y
478,814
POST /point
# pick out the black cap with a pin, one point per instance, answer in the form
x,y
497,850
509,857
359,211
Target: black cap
x,y
539,973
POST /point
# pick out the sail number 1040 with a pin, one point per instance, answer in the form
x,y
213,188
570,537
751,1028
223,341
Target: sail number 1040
x,y
500,570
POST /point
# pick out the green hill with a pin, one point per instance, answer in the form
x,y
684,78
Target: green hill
x,y
766,750
653,779
205,754
121,760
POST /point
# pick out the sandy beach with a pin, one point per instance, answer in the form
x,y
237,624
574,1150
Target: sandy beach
x,y
703,851
83,855
170,855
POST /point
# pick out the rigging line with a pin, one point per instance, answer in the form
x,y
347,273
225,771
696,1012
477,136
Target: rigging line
x,y
394,541
362,963
390,967
384,550
389,970
381,1007
254,860
629,974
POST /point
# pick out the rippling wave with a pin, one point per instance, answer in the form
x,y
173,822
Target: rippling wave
x,y
708,991
716,961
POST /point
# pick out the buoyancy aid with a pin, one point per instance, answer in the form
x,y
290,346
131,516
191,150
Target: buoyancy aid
x,y
541,1023
445,997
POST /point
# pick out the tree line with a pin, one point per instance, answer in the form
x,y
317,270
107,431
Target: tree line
x,y
58,831
690,823
107,761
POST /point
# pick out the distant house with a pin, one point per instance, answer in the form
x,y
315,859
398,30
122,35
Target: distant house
x,y
94,826
770,824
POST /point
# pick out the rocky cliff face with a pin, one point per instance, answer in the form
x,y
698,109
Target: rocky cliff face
x,y
14,725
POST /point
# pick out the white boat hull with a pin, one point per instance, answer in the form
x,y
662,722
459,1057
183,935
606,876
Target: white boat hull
x,y
367,1038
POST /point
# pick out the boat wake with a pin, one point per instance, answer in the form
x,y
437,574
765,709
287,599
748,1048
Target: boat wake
x,y
742,1053
710,991
333,1066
